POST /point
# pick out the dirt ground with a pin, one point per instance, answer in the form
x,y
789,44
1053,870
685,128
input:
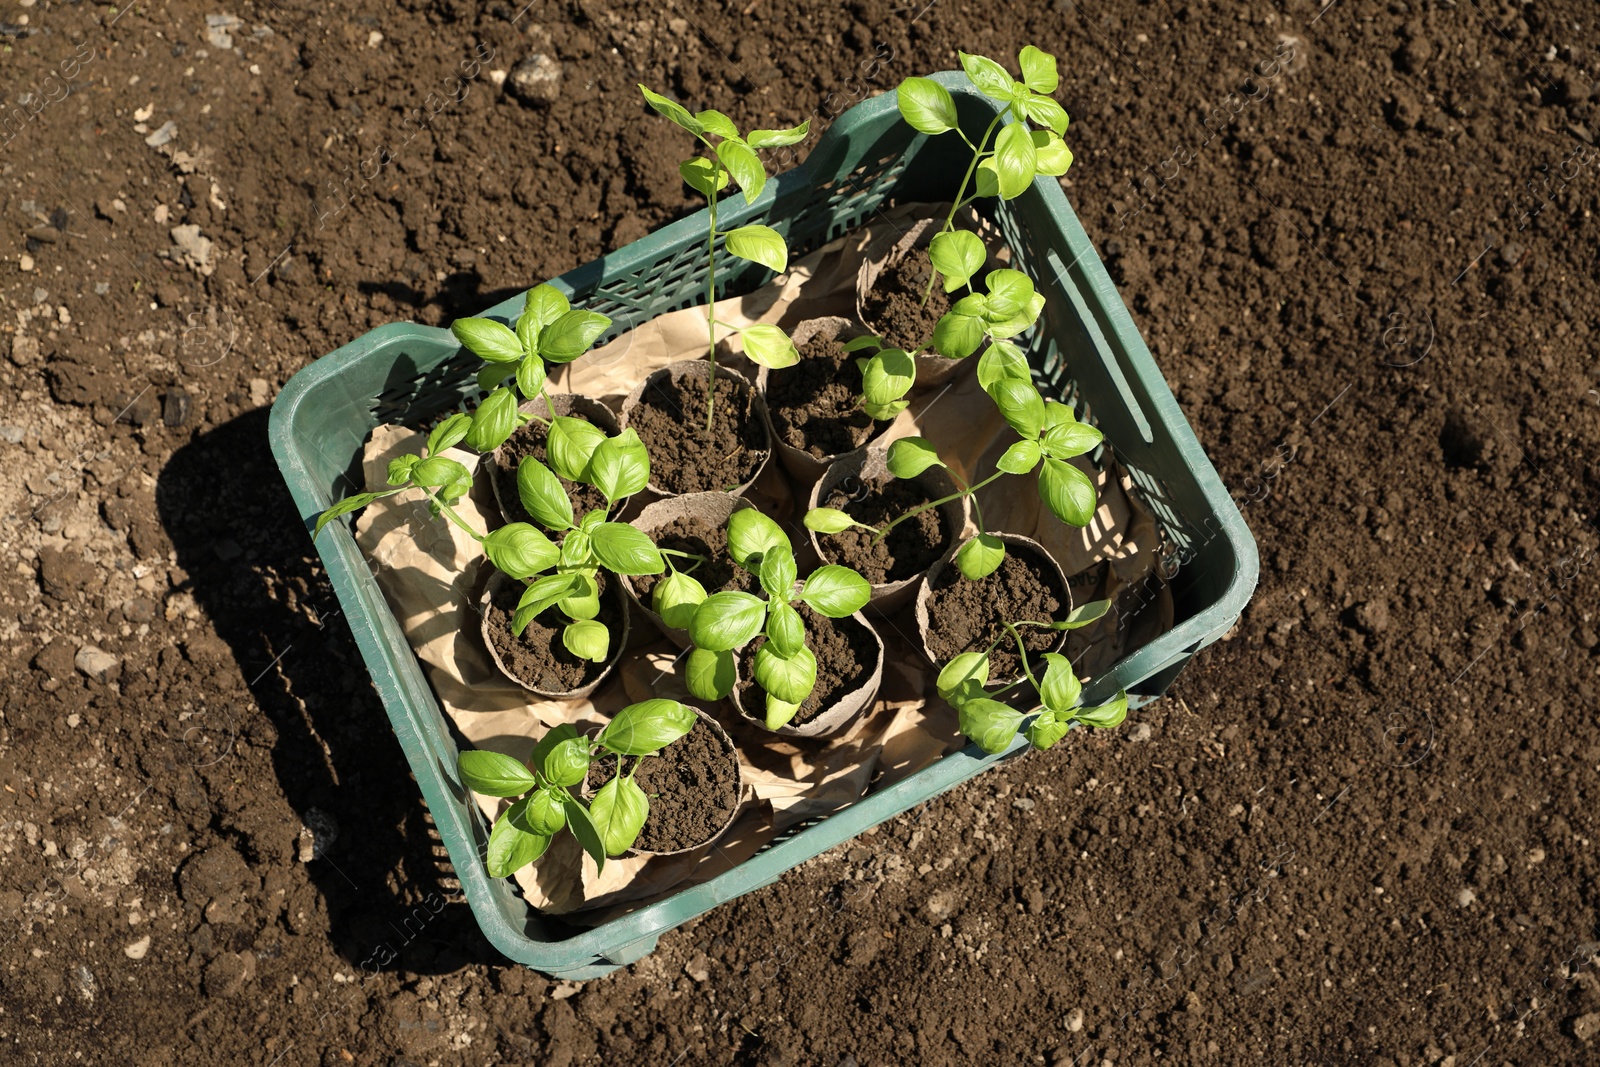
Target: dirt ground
x,y
1362,830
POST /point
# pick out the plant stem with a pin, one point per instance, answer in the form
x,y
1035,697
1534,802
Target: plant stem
x,y
451,513
548,406
955,205
1022,651
711,292
935,503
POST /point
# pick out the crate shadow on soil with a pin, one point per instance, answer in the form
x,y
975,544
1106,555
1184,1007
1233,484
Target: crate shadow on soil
x,y
332,749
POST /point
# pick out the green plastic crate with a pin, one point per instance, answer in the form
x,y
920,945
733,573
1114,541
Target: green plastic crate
x,y
1087,352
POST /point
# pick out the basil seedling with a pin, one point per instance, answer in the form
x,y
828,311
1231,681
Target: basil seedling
x,y
613,819
785,668
549,330
733,157
993,725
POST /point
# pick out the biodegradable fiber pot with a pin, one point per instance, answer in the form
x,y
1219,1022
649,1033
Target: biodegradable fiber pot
x,y
696,788
845,707
667,410
1013,593
712,510
899,317
529,440
870,467
499,602
801,463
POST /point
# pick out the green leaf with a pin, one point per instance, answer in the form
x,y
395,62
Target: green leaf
x,y
789,678
965,669
779,138
1046,112
620,467
1059,688
583,829
888,376
587,639
703,176
836,591
1009,292
552,737
672,110
530,375
345,507
957,336
866,340
778,573
1083,615
727,620
569,445
884,412
1020,405
828,520
494,774
1067,439
577,551
1038,69
745,166
926,106
716,122
449,433
511,848
492,375
1002,328
543,813
910,456
619,809
1020,458
751,533
981,556
494,421
759,244
567,761
1046,729
441,472
786,632
675,597
583,602
987,178
570,336
769,346
519,550
488,340
958,255
1014,160
1067,492
708,675
646,727
400,468
1104,716
990,77
779,712
544,304
1002,360
539,597
1051,156
622,549
542,494
990,723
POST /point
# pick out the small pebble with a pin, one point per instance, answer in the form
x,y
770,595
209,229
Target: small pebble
x,y
25,263
137,950
374,39
97,664
1141,732
1466,897
1075,1020
537,79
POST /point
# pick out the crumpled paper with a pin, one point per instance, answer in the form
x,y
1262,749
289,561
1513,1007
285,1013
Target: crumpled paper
x,y
432,574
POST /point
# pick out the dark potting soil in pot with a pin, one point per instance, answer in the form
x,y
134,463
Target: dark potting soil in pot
x,y
670,419
964,616
846,655
911,547
529,440
538,657
693,786
816,404
894,309
690,533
